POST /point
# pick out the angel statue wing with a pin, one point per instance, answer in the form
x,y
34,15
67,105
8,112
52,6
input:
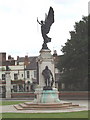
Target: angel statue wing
x,y
45,27
49,20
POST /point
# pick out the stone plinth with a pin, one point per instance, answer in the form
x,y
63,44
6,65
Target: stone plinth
x,y
50,96
45,59
47,96
38,92
8,85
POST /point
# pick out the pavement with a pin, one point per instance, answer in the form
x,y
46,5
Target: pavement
x,y
84,106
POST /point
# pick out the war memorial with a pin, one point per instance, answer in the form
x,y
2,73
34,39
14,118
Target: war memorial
x,y
46,93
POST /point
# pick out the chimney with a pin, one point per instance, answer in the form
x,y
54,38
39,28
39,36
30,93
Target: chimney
x,y
9,57
26,60
17,57
2,57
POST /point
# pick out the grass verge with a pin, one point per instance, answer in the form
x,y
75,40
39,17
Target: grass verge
x,y
81,114
11,102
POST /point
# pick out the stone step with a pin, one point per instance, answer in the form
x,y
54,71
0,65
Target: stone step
x,y
67,103
49,104
23,105
30,103
41,106
18,107
74,105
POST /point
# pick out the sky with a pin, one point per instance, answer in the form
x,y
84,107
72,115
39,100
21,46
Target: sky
x,y
20,34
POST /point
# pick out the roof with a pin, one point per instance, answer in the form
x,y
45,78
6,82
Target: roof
x,y
21,59
4,63
32,65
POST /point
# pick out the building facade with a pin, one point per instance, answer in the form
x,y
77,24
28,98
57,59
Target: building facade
x,y
23,73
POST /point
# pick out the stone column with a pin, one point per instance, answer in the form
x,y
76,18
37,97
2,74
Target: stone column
x,y
8,85
45,59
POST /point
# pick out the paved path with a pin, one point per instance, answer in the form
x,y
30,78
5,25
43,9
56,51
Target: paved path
x,y
83,107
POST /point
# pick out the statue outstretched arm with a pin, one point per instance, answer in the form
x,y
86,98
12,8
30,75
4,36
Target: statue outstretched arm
x,y
38,21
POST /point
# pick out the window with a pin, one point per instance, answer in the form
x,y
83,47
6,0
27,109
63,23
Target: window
x,y
28,74
15,88
17,63
22,75
3,77
35,74
15,76
0,89
21,89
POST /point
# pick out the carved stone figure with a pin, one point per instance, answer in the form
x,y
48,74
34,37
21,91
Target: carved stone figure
x,y
45,27
47,75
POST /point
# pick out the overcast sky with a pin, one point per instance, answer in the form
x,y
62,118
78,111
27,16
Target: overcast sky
x,y
20,34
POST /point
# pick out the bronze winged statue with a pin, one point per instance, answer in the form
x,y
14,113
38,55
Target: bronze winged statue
x,y
45,27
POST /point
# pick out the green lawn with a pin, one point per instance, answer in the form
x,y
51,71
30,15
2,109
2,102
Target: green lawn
x,y
11,102
82,114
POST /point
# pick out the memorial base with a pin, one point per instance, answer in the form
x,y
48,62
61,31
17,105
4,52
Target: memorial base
x,y
46,96
49,96
46,100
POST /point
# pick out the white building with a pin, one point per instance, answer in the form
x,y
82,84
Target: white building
x,y
23,72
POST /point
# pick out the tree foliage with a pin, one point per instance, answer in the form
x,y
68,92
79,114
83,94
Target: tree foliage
x,y
73,64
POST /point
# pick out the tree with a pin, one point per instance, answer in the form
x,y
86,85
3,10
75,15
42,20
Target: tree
x,y
73,64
